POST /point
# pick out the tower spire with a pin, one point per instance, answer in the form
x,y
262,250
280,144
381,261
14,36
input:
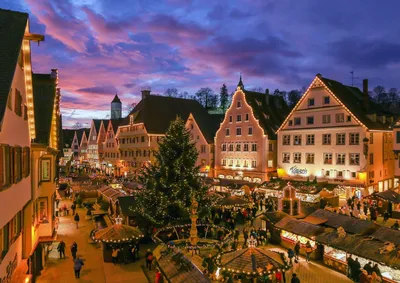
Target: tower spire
x,y
240,84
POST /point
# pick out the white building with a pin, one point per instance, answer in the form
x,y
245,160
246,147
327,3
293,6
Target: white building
x,y
338,135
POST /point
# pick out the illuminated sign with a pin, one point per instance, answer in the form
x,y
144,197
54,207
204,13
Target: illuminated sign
x,y
298,171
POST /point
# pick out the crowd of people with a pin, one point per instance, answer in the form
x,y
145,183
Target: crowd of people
x,y
370,273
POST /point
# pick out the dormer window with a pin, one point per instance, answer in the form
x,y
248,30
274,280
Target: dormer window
x,y
238,104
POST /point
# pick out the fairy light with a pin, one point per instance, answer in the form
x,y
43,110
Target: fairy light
x,y
28,84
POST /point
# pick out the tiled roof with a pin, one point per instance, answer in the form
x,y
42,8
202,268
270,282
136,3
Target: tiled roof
x,y
299,227
157,112
352,98
116,99
68,137
209,125
44,92
270,115
12,30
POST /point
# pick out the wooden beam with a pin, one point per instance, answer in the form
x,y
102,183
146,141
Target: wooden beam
x,y
34,37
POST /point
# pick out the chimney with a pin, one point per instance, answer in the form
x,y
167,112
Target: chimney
x,y
365,94
267,95
54,73
145,92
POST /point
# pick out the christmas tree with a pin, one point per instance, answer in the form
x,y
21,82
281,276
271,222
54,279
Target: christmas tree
x,y
173,180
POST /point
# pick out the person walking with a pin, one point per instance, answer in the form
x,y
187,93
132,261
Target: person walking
x,y
309,251
114,255
76,219
295,279
73,207
290,253
149,259
159,278
78,263
297,251
350,263
61,249
74,249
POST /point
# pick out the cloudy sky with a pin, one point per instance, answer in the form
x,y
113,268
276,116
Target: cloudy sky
x,y
106,46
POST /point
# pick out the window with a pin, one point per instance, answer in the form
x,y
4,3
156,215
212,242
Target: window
x,y
310,120
250,131
94,138
246,147
327,173
246,117
230,119
223,147
297,140
227,133
238,131
311,102
203,149
327,100
238,104
253,163
297,157
290,122
270,147
43,209
286,140
297,121
18,103
238,163
310,139
142,139
231,147
348,118
285,157
371,138
326,119
231,162
354,159
371,159
25,112
354,139
326,139
254,147
341,158
339,117
238,118
371,174
327,158
340,139
310,158
223,162
340,174
353,174
238,147
245,163
397,137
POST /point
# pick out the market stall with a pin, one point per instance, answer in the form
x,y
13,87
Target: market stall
x,y
233,201
388,200
293,230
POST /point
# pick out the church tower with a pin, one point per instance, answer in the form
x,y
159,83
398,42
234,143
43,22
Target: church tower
x,y
116,108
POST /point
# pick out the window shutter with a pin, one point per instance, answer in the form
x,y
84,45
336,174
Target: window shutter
x,y
11,164
2,167
20,163
28,161
7,167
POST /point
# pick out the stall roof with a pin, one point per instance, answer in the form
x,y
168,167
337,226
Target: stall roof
x,y
233,200
299,227
388,195
360,246
274,216
386,234
133,185
125,203
349,224
114,198
103,188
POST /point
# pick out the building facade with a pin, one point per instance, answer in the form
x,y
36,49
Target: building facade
x,y
396,151
110,148
245,143
95,146
336,134
67,138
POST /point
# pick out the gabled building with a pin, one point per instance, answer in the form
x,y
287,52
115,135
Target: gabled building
x,y
336,134
245,143
39,213
396,151
82,137
110,148
95,146
17,128
203,127
67,138
147,124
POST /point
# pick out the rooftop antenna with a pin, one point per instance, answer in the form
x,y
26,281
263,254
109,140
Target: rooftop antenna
x,y
352,78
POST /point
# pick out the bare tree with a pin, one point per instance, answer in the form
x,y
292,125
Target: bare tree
x,y
171,92
77,125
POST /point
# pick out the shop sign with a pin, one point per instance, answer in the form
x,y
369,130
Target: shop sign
x,y
298,171
11,266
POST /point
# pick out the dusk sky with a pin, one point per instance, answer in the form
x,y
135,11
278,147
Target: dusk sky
x,y
106,46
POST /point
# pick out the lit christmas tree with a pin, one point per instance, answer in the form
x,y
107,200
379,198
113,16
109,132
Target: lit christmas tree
x,y
173,180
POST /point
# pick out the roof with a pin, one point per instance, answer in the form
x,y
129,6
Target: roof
x,y
44,93
299,227
97,124
12,30
116,123
126,203
119,232
388,195
157,112
68,137
270,115
116,99
352,97
79,133
234,201
334,220
386,234
208,124
274,216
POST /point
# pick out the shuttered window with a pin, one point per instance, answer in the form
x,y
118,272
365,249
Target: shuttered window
x,y
25,162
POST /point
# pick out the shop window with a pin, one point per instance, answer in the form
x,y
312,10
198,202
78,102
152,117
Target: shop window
x,y
354,138
297,157
354,159
286,140
353,174
340,139
285,157
297,140
326,139
326,119
310,139
310,158
327,100
327,158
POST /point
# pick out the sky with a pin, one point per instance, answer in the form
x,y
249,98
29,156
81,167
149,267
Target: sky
x,y
103,47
